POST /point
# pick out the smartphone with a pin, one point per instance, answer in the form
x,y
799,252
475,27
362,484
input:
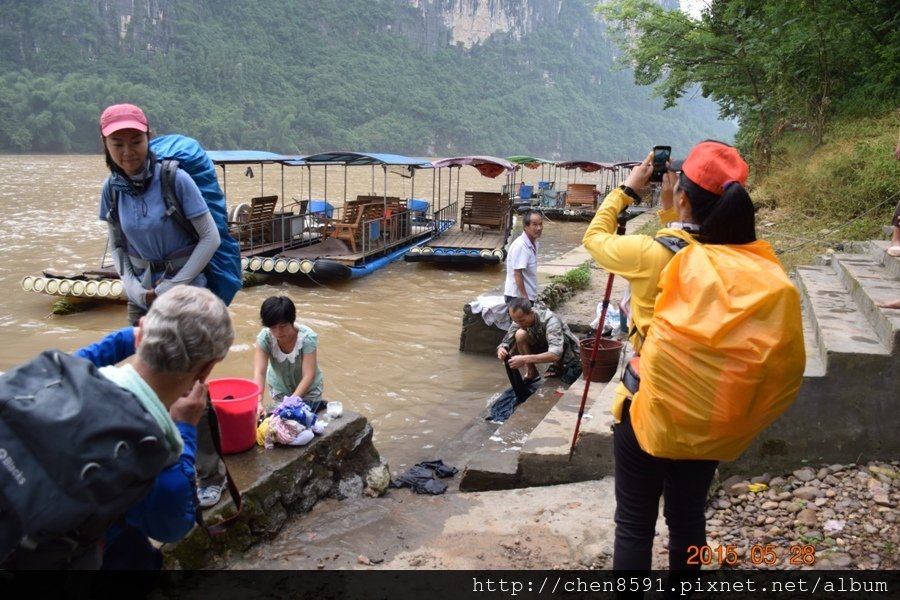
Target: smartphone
x,y
661,155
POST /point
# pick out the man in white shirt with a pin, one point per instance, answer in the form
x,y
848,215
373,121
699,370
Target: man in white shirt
x,y
521,261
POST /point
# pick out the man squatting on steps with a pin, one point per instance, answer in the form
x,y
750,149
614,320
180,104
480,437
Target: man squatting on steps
x,y
538,336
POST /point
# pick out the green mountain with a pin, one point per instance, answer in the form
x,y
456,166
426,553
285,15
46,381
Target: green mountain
x,y
416,77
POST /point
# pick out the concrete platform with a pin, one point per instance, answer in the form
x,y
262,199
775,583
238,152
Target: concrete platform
x,y
281,482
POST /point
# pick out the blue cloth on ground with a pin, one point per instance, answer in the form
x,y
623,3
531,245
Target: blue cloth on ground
x,y
421,477
504,406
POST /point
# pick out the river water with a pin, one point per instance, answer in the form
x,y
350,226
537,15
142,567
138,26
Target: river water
x,y
389,341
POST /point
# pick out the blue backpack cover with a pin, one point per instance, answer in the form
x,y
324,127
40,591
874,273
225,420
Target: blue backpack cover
x,y
223,273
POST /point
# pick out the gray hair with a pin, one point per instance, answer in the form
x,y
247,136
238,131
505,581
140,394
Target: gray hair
x,y
526,217
185,328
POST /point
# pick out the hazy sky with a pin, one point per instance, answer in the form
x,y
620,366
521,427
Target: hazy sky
x,y
693,7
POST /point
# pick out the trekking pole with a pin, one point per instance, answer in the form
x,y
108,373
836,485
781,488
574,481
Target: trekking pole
x,y
587,378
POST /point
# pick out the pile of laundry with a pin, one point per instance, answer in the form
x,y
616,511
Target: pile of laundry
x,y
292,423
421,477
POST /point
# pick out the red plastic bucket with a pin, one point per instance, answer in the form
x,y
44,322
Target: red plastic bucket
x,y
234,399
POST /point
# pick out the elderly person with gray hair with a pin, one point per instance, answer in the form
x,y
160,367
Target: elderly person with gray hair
x,y
178,342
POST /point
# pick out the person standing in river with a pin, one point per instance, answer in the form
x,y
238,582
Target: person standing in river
x,y
521,261
151,251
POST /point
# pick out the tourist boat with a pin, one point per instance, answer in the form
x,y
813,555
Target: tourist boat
x,y
484,218
299,239
103,283
579,200
526,195
323,239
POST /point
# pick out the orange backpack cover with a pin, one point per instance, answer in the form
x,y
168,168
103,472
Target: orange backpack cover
x,y
724,355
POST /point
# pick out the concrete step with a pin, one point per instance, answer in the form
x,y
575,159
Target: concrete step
x,y
545,460
878,250
841,332
279,482
869,283
815,362
496,465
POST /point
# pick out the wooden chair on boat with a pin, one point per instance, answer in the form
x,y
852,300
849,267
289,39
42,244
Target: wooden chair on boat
x,y
487,209
348,228
254,225
388,200
581,195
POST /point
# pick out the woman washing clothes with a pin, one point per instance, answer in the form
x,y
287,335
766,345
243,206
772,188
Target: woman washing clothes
x,y
285,360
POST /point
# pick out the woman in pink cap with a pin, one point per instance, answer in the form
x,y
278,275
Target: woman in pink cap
x,y
155,252
706,200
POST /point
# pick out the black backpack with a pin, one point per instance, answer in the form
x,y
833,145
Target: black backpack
x,y
76,452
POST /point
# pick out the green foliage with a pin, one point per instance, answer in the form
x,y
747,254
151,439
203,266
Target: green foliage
x,y
302,76
818,197
578,278
773,65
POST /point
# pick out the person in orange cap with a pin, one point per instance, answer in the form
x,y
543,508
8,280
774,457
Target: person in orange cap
x,y
702,198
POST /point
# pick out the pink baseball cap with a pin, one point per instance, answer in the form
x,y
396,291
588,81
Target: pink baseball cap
x,y
122,116
713,165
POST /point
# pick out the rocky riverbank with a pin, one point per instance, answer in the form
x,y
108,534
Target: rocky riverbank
x,y
814,517
825,517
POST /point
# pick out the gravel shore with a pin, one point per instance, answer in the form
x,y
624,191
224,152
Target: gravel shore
x,y
826,517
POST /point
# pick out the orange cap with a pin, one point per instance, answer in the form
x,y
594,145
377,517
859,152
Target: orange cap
x,y
712,165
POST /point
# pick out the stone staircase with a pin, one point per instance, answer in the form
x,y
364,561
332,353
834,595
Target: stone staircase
x,y
846,410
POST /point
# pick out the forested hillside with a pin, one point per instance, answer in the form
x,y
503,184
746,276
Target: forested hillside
x,y
816,88
302,76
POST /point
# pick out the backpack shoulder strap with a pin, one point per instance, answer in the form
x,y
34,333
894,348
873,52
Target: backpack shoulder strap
x,y
672,242
112,215
110,192
170,195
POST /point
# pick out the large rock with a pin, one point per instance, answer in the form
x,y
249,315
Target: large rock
x,y
280,482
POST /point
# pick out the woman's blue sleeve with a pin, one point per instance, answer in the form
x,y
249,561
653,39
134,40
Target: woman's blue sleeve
x,y
112,349
167,512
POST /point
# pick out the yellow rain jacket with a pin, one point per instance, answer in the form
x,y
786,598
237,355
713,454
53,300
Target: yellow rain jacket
x,y
637,258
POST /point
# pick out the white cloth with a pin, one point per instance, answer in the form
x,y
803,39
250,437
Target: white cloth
x,y
522,256
492,309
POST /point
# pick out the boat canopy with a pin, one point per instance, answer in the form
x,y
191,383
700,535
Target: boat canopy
x,y
588,166
488,166
530,161
237,157
351,159
628,164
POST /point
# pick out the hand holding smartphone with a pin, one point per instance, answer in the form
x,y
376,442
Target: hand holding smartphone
x,y
661,156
